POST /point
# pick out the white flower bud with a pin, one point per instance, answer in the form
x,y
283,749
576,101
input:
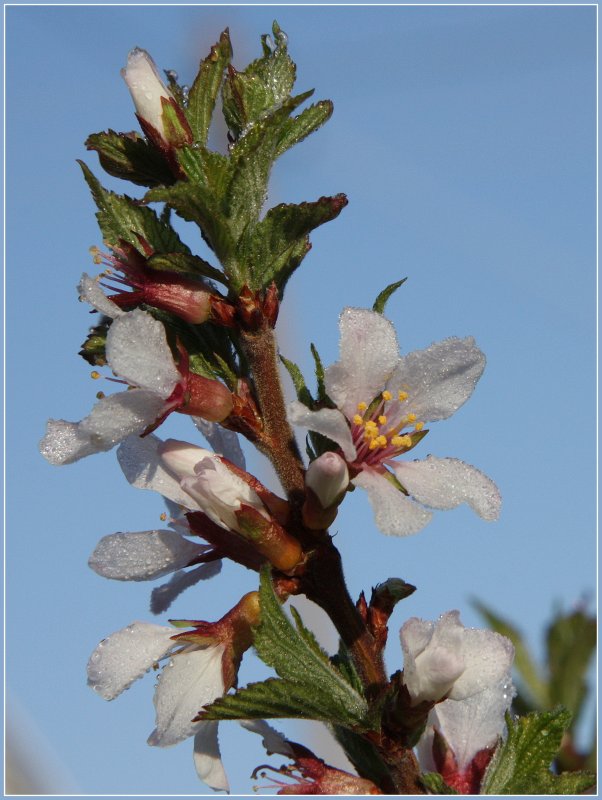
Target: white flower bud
x,y
180,458
146,87
444,658
328,477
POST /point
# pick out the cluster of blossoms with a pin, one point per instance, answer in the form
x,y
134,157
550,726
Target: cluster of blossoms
x,y
450,699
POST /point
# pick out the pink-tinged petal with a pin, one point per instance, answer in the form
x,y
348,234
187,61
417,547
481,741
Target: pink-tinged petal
x,y
328,477
138,352
126,655
445,483
327,421
488,657
207,757
111,420
272,740
163,596
91,292
141,464
438,379
394,513
191,680
223,441
142,556
368,355
474,723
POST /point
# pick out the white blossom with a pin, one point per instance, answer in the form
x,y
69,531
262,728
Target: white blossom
x,y
190,680
383,402
146,87
137,352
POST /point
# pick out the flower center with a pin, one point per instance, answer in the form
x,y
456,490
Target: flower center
x,y
385,429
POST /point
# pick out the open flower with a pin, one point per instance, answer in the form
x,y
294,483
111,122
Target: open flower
x,y
445,659
192,678
383,402
137,351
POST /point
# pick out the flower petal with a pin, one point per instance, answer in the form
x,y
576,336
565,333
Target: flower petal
x,y
188,682
445,483
142,556
137,351
126,655
64,443
329,422
438,379
163,596
141,464
273,740
474,723
394,513
111,420
91,292
146,87
368,355
488,658
223,441
207,757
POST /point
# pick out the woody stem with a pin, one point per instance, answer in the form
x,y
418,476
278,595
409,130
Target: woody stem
x,y
277,442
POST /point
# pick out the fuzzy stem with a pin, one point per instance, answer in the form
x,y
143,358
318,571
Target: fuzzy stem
x,y
278,442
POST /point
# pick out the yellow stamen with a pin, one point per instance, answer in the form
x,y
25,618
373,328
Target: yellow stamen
x,y
95,375
358,420
419,426
401,396
411,418
382,440
163,516
371,425
370,433
100,395
362,406
401,441
382,420
386,395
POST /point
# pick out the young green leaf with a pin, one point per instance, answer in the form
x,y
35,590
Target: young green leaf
x,y
435,784
571,640
130,157
381,300
297,658
203,92
300,127
185,264
303,393
521,764
319,367
121,217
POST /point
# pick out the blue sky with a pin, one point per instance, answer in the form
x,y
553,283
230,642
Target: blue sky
x,y
464,138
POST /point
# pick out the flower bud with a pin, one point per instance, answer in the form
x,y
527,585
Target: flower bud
x,y
147,88
206,398
160,115
328,477
188,299
326,480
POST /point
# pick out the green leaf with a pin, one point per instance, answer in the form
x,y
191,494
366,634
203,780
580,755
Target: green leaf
x,y
322,396
296,657
524,664
281,240
203,92
363,755
571,641
521,764
185,264
270,699
130,157
381,300
435,783
303,393
264,85
297,128
121,217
